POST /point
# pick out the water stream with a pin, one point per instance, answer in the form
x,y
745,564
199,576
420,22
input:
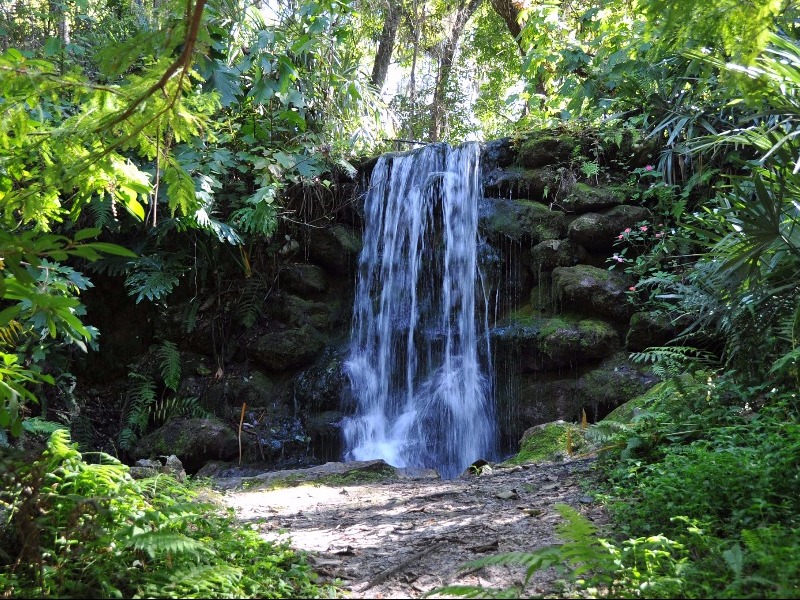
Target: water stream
x,y
420,362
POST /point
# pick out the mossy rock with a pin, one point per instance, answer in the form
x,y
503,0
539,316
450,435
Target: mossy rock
x,y
319,387
593,291
303,279
549,254
528,184
616,381
599,231
194,441
668,391
651,329
289,349
547,148
520,220
335,248
584,198
547,343
296,312
554,441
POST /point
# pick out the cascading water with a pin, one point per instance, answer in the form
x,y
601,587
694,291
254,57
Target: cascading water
x,y
420,355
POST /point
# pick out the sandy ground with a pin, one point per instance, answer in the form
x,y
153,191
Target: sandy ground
x,y
405,536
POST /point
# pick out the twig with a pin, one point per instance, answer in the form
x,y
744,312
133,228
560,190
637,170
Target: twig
x,y
241,420
386,574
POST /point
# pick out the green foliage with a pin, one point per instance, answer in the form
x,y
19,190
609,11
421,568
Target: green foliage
x,y
89,530
645,567
145,405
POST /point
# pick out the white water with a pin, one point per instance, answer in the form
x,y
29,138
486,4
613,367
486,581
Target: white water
x,y
419,352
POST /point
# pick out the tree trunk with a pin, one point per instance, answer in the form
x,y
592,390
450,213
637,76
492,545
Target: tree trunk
x,y
438,112
509,11
383,58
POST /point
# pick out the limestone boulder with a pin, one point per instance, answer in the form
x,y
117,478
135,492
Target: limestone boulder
x,y
287,349
593,291
599,231
585,198
549,254
335,248
548,343
194,441
518,183
303,279
547,148
520,221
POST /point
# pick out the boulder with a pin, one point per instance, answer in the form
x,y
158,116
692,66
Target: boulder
x,y
651,329
549,254
593,291
531,184
303,279
498,154
319,388
288,349
194,441
584,198
336,248
555,441
547,343
520,220
547,148
296,312
599,231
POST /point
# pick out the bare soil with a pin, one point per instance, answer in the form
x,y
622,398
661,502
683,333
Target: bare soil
x,y
412,533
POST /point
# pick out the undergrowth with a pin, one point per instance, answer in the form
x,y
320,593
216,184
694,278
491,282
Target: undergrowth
x,y
74,529
703,486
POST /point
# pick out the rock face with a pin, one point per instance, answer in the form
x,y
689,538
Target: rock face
x,y
275,342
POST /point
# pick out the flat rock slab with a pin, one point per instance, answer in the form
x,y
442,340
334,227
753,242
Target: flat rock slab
x,y
294,477
401,537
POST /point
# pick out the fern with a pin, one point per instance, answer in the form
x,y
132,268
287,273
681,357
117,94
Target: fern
x,y
153,277
10,334
154,543
170,360
251,301
141,398
674,360
178,407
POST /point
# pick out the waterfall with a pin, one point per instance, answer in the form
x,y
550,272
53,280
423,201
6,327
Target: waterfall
x,y
419,359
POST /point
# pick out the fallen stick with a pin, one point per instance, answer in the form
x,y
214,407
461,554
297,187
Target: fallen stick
x,y
386,574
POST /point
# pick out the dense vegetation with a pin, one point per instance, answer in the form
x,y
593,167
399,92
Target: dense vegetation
x,y
154,140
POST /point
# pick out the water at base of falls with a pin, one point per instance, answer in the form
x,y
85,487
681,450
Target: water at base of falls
x,y
419,359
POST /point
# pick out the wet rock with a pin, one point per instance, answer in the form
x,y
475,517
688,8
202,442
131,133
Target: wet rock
x,y
584,198
549,254
594,291
599,231
303,279
545,148
325,432
336,248
498,154
319,387
289,349
194,441
531,184
520,220
651,329
547,343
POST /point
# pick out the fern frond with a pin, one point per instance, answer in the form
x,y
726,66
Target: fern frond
x,y
251,301
474,591
136,414
178,407
154,543
604,432
10,334
170,360
153,277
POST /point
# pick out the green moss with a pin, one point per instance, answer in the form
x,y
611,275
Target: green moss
x,y
356,477
547,443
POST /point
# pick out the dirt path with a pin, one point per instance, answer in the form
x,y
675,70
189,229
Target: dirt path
x,y
402,537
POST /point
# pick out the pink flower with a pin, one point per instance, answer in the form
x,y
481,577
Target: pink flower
x,y
660,234
618,258
643,228
627,230
632,288
619,237
648,168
